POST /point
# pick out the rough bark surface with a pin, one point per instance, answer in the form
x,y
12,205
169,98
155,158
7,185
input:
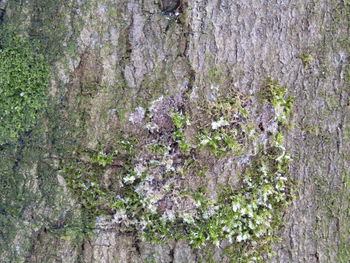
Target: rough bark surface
x,y
111,56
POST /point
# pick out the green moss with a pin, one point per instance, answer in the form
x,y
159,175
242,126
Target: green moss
x,y
158,148
248,216
101,158
215,76
24,77
181,121
224,134
306,59
84,176
244,217
219,142
150,259
275,95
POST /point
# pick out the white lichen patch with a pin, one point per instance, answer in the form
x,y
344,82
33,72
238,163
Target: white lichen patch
x,y
152,127
138,116
129,179
220,123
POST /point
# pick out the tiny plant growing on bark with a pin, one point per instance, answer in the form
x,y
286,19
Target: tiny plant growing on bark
x,y
247,216
24,76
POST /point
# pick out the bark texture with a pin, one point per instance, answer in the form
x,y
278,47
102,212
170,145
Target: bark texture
x,y
111,56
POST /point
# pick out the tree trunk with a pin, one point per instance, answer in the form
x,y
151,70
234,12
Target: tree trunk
x,y
113,60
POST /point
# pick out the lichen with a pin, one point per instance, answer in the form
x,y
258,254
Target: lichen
x,y
145,193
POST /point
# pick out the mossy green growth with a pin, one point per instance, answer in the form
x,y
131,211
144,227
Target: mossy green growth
x,y
219,142
223,135
101,158
274,94
83,176
306,59
245,216
215,75
181,121
24,76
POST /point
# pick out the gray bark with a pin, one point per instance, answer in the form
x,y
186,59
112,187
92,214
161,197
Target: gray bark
x,y
133,53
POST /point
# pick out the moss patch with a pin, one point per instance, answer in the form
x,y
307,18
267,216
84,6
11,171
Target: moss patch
x,y
24,77
142,189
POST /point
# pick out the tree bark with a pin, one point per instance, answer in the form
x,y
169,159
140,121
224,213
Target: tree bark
x,y
111,56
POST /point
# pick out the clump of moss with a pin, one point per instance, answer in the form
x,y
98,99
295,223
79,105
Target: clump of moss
x,y
84,174
246,216
225,133
24,76
306,59
274,94
181,121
